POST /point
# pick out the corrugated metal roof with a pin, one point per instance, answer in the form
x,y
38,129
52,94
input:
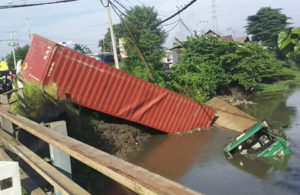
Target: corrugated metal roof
x,y
101,87
226,38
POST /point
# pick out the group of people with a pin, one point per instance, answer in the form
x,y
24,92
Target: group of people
x,y
6,80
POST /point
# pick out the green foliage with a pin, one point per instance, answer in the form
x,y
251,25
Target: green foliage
x,y
296,57
200,73
209,65
149,39
279,86
37,104
82,48
265,26
263,88
20,53
141,21
258,65
289,41
24,192
105,43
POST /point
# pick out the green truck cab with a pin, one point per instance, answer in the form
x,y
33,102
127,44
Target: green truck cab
x,y
259,141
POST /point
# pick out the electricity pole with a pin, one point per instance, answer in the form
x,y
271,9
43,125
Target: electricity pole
x,y
13,44
214,17
113,41
180,25
27,19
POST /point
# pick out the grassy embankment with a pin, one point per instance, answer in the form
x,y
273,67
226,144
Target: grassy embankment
x,y
114,136
263,89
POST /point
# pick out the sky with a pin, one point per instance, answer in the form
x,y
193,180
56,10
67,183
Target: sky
x,y
85,21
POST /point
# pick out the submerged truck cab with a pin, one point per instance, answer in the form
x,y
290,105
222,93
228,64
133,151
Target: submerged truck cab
x,y
259,141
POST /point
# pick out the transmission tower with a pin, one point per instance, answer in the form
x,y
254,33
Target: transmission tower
x,y
214,17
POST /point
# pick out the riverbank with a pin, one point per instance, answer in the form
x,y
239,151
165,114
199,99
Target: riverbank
x,y
280,86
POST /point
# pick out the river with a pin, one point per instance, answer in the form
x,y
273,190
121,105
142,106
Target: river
x,y
197,161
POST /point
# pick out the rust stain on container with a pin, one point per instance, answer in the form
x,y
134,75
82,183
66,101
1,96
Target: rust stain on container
x,y
101,87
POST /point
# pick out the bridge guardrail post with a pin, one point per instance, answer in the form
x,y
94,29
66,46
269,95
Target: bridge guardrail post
x,y
60,159
7,125
10,178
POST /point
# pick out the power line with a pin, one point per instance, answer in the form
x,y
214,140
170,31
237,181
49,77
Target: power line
x,y
134,44
115,7
172,27
120,4
170,23
178,12
35,4
187,28
104,4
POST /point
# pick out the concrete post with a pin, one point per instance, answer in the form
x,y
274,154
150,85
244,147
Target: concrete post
x,y
60,159
9,178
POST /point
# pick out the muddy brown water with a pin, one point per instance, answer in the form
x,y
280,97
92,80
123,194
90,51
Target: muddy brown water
x,y
197,161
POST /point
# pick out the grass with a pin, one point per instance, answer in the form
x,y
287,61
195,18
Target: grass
x,y
263,89
37,102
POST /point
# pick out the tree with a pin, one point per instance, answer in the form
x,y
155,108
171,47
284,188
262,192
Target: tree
x,y
149,38
209,66
200,73
141,20
105,43
20,53
265,26
289,41
82,48
258,65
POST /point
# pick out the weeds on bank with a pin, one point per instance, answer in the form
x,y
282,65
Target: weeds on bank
x,y
37,102
279,86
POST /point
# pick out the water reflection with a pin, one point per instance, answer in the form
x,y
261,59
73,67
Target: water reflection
x,y
259,167
290,180
273,108
197,160
176,154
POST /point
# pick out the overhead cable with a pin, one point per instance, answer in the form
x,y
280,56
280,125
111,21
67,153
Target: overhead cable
x,y
120,4
104,4
115,8
172,27
170,23
178,12
187,28
35,4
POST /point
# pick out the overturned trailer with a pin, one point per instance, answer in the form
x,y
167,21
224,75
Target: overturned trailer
x,y
98,86
257,138
259,141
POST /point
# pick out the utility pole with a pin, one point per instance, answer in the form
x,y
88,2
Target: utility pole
x,y
13,44
180,25
214,17
27,19
202,26
113,41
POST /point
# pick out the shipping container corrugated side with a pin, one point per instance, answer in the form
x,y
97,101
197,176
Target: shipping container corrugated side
x,y
98,86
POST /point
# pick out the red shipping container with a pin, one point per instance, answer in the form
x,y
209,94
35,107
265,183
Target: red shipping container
x,y
98,86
